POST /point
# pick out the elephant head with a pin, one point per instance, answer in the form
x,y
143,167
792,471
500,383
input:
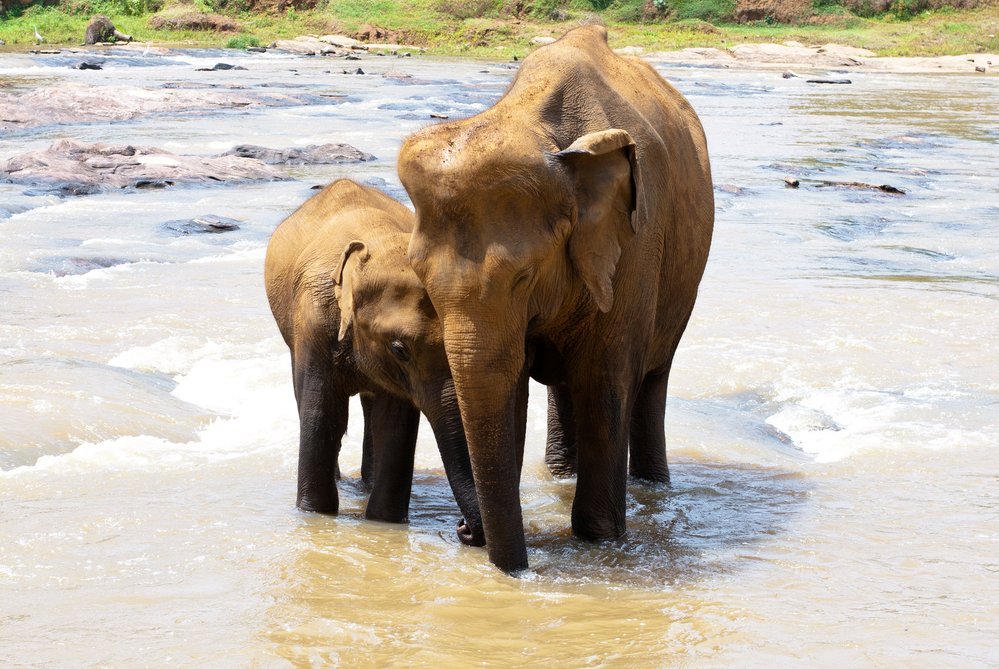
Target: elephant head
x,y
514,236
398,344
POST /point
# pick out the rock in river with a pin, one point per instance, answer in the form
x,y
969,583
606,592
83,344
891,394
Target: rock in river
x,y
78,102
315,154
307,45
70,167
207,224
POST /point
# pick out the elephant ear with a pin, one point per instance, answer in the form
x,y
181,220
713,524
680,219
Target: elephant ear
x,y
343,280
602,164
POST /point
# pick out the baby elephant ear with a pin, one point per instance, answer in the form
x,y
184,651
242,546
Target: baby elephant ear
x,y
602,165
343,280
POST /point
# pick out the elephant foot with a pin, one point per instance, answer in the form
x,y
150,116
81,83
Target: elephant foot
x,y
562,470
648,471
654,482
560,460
324,507
598,528
470,536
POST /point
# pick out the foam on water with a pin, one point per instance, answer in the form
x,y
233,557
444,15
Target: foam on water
x,y
247,388
80,282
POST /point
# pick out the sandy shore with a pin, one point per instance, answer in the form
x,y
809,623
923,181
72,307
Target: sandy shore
x,y
793,55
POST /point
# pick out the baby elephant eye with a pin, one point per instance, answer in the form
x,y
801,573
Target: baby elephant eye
x,y
398,350
523,277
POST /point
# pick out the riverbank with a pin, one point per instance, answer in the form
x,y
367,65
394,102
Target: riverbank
x,y
443,29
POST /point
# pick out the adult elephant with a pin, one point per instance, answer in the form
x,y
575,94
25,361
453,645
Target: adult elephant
x,y
357,321
571,221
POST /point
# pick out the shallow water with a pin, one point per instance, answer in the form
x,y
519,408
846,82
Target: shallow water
x,y
832,424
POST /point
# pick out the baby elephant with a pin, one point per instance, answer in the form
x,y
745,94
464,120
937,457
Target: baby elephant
x,y
357,320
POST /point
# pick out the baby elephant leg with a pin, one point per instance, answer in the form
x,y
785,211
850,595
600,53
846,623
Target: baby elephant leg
x,y
393,424
322,414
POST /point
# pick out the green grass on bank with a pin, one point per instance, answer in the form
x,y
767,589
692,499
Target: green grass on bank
x,y
502,28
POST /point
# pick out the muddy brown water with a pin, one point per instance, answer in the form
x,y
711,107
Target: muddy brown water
x,y
832,425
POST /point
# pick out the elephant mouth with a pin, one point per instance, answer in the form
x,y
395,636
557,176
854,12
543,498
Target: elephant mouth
x,y
470,536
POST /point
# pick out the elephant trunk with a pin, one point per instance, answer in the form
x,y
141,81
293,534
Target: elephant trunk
x,y
450,435
486,376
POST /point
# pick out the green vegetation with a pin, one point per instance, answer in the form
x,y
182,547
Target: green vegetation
x,y
242,42
502,28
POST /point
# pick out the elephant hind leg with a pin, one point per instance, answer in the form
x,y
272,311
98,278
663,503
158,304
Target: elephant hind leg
x,y
560,449
647,446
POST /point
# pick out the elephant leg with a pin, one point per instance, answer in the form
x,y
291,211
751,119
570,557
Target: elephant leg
x,y
560,449
601,412
394,426
322,414
367,445
648,436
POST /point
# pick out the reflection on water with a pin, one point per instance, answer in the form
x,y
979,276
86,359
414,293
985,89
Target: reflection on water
x,y
831,408
350,598
676,535
962,111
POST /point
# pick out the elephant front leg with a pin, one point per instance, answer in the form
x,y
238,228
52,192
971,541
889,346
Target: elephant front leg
x,y
598,508
322,413
648,436
560,449
394,425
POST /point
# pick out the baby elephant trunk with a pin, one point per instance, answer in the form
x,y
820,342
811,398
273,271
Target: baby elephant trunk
x,y
450,435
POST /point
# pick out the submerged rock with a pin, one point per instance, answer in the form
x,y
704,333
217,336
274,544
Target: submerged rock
x,y
221,66
85,103
76,265
69,167
315,154
207,224
792,182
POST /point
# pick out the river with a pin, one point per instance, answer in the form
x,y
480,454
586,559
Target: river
x,y
832,422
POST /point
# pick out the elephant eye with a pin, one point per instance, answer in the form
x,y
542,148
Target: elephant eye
x,y
399,351
523,277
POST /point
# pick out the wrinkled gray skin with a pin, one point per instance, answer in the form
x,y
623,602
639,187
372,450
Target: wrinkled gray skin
x,y
571,221
357,320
